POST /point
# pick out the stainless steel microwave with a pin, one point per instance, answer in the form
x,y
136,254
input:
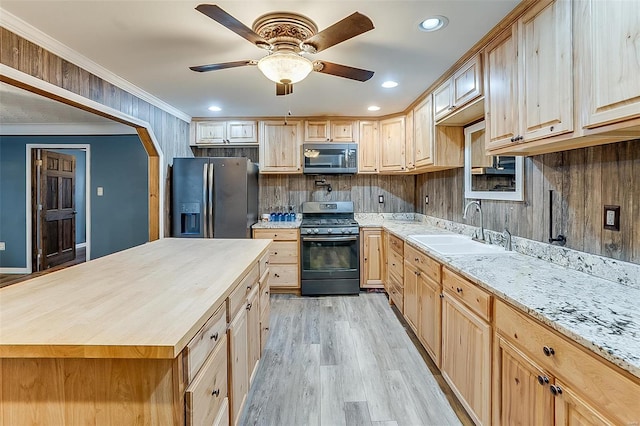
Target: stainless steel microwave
x,y
330,158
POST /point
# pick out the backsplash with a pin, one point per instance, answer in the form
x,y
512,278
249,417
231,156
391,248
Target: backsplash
x,y
584,180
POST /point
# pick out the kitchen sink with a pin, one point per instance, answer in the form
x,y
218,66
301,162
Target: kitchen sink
x,y
456,244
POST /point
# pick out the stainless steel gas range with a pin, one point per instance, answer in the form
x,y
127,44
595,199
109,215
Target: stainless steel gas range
x,y
330,249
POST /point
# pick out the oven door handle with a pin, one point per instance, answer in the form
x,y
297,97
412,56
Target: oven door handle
x,y
354,238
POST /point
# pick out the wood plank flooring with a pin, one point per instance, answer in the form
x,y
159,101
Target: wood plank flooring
x,y
8,279
345,360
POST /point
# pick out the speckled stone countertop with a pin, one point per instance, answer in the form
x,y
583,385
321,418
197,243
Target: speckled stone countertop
x,y
599,314
277,225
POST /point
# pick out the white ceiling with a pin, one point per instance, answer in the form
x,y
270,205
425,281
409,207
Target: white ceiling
x,y
152,43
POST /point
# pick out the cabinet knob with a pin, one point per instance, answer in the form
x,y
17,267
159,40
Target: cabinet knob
x,y
555,390
214,337
216,392
458,289
266,328
543,380
418,273
551,129
248,288
548,351
249,306
275,253
416,259
365,259
441,296
276,275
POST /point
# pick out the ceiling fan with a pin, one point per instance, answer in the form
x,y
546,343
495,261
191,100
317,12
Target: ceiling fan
x,y
287,36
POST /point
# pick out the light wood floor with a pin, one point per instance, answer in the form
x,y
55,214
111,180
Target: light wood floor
x,y
8,279
345,360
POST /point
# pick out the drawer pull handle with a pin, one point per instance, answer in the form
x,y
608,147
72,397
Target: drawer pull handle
x,y
276,275
248,287
418,273
249,306
543,380
555,390
548,351
441,296
216,392
214,337
416,259
458,289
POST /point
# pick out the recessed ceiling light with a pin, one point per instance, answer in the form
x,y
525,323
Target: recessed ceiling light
x,y
389,84
215,108
374,108
433,23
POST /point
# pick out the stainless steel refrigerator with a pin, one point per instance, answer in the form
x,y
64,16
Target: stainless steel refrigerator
x,y
215,197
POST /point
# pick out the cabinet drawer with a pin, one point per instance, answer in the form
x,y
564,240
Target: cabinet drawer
x,y
423,262
284,276
239,295
264,262
396,295
276,234
283,252
476,299
612,392
396,266
209,336
396,244
205,395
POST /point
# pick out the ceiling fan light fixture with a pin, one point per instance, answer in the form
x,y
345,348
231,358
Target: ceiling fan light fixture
x,y
285,67
214,108
433,23
374,108
389,84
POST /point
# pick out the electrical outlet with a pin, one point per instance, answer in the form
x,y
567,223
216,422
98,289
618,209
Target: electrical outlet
x,y
3,246
612,218
426,200
381,199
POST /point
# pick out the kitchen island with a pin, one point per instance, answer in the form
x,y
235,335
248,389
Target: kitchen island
x,y
112,341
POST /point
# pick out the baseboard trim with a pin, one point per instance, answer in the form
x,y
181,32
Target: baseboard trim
x,y
14,271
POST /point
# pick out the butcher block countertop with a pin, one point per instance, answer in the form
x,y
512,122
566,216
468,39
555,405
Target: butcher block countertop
x,y
145,302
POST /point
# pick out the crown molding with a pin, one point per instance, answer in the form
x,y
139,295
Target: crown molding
x,y
34,35
48,129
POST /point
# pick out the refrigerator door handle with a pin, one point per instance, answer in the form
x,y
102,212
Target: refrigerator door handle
x,y
210,201
205,220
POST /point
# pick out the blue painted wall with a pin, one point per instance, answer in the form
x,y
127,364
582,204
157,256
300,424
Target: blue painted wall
x,y
119,219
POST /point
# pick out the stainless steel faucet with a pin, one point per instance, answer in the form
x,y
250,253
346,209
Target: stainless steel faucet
x,y
478,209
507,240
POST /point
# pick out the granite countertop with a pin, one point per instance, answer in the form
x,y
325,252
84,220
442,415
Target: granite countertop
x,y
599,314
277,225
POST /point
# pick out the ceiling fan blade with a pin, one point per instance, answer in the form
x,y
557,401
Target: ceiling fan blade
x,y
284,89
222,66
223,18
342,71
343,30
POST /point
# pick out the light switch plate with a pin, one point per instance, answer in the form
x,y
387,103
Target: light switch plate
x,y
612,218
100,191
3,246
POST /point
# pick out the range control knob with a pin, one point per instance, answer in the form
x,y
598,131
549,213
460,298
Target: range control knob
x,y
351,231
344,230
316,230
309,231
329,231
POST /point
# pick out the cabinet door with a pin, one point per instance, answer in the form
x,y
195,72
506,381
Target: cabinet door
x,y
238,367
211,132
442,100
545,73
372,258
316,131
392,139
501,89
522,395
411,294
343,131
430,316
368,147
612,61
253,332
466,357
571,410
423,133
280,147
466,83
409,152
242,132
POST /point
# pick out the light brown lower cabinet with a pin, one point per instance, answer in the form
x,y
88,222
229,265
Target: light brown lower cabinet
x,y
284,258
371,258
253,332
411,275
238,364
466,357
430,316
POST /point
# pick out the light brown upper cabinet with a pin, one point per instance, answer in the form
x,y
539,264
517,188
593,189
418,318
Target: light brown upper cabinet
x,y
280,146
464,86
225,132
529,78
392,145
610,72
330,131
423,133
409,144
368,147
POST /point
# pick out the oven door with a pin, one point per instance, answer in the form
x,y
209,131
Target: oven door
x,y
330,257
